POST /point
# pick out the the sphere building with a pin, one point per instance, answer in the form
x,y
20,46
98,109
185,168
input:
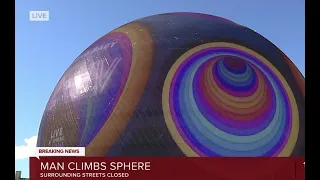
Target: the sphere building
x,y
179,84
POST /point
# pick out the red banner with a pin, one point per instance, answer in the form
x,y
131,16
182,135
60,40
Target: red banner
x,y
157,168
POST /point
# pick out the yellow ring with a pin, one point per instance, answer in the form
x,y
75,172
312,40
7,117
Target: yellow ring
x,y
185,148
142,54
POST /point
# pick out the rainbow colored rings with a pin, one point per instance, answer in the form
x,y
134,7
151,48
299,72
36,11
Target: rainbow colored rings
x,y
223,99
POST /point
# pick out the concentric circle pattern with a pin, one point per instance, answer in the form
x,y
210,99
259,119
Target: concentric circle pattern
x,y
226,100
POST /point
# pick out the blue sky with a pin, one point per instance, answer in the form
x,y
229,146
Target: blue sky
x,y
44,50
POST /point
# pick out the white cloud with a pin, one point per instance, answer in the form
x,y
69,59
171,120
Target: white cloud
x,y
26,150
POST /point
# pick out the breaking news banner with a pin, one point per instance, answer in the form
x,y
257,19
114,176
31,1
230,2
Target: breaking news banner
x,y
71,163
